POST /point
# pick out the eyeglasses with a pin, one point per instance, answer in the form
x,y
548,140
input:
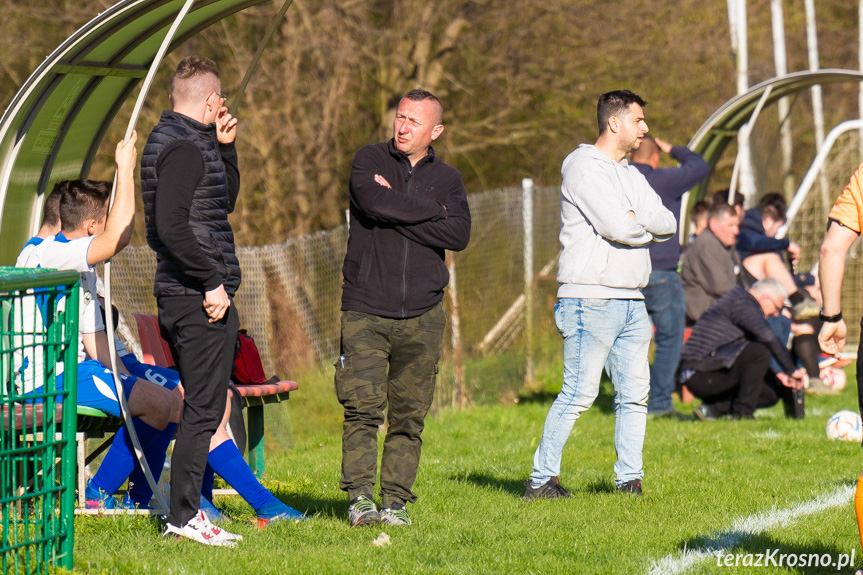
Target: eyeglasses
x,y
777,307
222,97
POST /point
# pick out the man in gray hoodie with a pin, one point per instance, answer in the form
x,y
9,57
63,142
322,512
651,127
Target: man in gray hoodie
x,y
609,216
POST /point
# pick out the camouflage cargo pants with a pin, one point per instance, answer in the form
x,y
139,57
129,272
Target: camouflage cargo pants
x,y
387,362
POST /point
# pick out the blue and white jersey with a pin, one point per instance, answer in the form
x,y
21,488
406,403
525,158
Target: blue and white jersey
x,y
54,252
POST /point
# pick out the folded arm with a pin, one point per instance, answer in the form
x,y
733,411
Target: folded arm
x,y
383,202
714,278
450,233
654,216
608,216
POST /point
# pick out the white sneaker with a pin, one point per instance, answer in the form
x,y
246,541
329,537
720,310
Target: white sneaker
x,y
199,529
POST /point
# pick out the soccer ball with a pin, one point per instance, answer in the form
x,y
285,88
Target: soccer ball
x,y
845,425
833,378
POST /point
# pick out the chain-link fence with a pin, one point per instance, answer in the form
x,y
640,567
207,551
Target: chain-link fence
x,y
290,297
291,292
810,224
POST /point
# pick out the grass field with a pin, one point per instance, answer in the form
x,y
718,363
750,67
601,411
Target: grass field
x,y
702,481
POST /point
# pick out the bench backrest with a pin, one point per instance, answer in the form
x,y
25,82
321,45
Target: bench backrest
x,y
154,349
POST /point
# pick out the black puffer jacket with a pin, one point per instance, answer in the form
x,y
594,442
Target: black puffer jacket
x,y
721,333
395,263
207,217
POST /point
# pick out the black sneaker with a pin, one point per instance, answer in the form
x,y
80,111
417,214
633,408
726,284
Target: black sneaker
x,y
632,486
551,489
705,412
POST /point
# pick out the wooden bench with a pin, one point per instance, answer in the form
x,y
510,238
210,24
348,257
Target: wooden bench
x,y
155,351
29,419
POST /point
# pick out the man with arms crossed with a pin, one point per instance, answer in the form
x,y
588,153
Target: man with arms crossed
x,y
407,207
609,215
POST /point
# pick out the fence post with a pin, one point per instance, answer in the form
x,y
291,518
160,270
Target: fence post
x,y
527,219
459,394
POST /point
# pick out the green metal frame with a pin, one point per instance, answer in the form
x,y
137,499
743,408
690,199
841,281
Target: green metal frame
x,y
714,136
53,127
255,428
37,454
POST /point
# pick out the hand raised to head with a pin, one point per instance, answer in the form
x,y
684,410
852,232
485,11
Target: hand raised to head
x,y
226,126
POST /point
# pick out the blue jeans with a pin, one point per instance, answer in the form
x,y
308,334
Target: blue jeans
x,y
781,326
597,333
666,305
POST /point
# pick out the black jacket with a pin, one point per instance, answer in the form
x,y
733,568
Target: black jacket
x,y
753,240
395,262
720,334
190,184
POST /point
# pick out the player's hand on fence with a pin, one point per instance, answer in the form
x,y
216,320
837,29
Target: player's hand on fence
x,y
226,126
216,303
382,181
126,154
832,337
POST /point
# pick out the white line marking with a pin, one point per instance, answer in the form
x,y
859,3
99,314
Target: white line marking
x,y
746,527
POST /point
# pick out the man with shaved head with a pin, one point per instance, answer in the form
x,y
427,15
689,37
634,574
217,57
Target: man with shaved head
x,y
407,208
190,182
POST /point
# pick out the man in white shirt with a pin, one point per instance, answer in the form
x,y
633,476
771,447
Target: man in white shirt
x,y
609,216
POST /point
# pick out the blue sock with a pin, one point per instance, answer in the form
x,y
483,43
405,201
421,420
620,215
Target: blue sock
x,y
207,483
155,454
227,461
120,459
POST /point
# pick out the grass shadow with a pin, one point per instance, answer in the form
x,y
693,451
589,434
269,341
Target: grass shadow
x,y
486,481
336,508
542,396
599,486
849,482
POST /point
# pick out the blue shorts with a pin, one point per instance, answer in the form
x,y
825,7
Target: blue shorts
x,y
96,387
164,376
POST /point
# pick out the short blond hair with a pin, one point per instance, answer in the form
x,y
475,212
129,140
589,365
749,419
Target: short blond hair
x,y
194,79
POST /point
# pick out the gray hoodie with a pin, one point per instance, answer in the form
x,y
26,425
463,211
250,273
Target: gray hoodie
x,y
605,252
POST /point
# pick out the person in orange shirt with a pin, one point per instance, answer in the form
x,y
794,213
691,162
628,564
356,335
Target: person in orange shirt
x,y
844,223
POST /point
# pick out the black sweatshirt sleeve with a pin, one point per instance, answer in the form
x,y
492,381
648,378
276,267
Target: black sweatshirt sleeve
x,y
180,171
450,233
232,171
383,204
